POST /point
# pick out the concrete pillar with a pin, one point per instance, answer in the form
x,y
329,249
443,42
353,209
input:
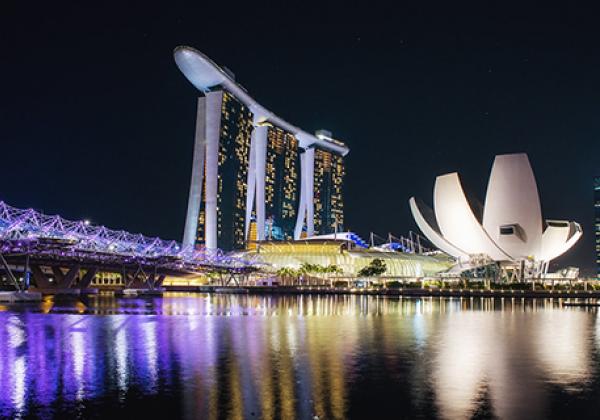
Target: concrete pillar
x,y
309,180
251,192
59,276
159,280
69,278
149,282
213,133
87,278
260,138
196,184
306,206
40,278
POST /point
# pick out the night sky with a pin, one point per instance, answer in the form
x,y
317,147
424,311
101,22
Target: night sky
x,y
97,122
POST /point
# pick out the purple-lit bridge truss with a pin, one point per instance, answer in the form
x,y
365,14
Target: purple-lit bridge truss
x,y
51,238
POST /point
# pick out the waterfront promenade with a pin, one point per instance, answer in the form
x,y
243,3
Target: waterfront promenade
x,y
414,292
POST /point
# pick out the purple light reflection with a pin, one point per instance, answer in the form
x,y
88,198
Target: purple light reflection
x,y
239,356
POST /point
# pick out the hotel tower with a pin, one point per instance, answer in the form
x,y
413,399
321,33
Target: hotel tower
x,y
249,165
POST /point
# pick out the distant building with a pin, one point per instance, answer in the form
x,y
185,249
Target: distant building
x,y
251,165
597,221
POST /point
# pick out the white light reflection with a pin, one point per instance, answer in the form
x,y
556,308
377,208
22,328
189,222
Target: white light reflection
x,y
150,348
16,337
420,329
291,335
19,374
121,352
509,357
459,365
78,351
563,347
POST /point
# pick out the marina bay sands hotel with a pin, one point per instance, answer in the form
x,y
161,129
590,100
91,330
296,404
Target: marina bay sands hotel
x,y
254,175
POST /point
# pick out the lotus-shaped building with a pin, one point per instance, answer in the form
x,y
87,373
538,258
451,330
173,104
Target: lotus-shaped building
x,y
510,231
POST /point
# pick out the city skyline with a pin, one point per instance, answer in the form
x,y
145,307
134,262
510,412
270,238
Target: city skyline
x,y
341,210
128,136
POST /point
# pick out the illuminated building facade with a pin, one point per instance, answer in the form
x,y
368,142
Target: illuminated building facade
x,y
232,187
220,171
328,183
250,165
597,221
350,259
282,183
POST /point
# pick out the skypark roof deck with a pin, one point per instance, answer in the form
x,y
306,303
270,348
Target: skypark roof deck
x,y
205,75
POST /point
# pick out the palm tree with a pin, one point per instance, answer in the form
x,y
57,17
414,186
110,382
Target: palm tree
x,y
282,273
306,269
375,268
333,269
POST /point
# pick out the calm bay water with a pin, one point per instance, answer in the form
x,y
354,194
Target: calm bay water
x,y
239,356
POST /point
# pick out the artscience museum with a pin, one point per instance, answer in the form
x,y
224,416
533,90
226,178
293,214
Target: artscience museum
x,y
510,231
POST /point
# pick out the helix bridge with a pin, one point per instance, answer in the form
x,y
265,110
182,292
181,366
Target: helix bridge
x,y
35,240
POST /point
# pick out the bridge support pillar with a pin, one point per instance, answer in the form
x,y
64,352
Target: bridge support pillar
x,y
138,280
87,278
40,278
159,281
9,273
155,280
150,280
69,278
132,281
59,276
128,279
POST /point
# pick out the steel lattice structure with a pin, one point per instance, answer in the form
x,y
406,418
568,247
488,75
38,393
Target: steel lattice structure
x,y
27,230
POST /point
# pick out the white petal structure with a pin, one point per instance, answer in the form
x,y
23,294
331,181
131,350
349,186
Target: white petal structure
x,y
422,215
558,237
512,204
512,229
457,222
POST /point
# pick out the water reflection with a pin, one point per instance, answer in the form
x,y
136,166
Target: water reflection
x,y
235,356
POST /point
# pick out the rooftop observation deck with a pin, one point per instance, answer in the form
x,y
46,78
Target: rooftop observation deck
x,y
205,75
